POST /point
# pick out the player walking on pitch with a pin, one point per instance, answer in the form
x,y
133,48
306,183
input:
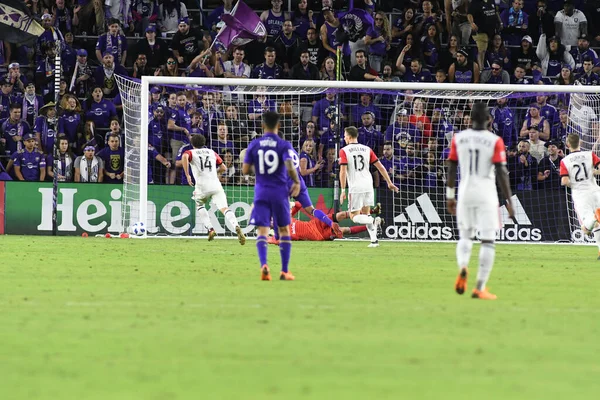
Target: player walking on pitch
x,y
477,151
355,159
206,165
271,156
578,170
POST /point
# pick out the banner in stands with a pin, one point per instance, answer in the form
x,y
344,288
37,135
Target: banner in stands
x,y
541,216
96,208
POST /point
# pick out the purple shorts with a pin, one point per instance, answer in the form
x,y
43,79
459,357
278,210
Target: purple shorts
x,y
276,207
304,198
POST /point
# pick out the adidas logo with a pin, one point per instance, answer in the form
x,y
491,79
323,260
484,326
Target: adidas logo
x,y
520,213
515,232
423,213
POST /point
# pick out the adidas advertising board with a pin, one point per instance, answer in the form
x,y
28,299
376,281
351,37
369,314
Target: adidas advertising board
x,y
539,216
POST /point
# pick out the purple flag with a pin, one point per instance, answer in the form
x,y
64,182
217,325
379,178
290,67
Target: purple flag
x,y
241,26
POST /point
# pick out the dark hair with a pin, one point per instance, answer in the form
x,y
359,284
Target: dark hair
x,y
480,113
351,131
198,141
270,119
388,143
360,51
522,66
269,49
14,106
113,135
169,6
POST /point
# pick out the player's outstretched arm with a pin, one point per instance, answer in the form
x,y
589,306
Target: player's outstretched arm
x,y
451,186
185,159
503,182
386,176
291,170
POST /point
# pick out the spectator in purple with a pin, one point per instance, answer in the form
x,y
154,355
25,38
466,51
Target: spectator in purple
x,y
287,44
430,47
49,37
273,18
303,19
157,129
309,167
426,17
268,69
6,99
496,74
186,43
114,128
366,104
223,143
18,80
144,13
548,111
256,108
409,52
31,104
89,168
417,73
463,70
581,51
309,133
327,176
13,129
588,77
213,22
69,122
153,157
535,121
65,163
113,157
89,138
170,12
44,72
179,165
104,76
323,108
63,17
99,110
429,174
402,132
515,22
155,48
390,162
368,135
497,51
29,164
552,56
46,127
403,26
503,123
178,128
197,127
379,39
112,42
328,31
410,160
200,66
81,80
362,71
228,176
88,17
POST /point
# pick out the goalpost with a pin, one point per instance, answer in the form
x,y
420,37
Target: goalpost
x,y
426,115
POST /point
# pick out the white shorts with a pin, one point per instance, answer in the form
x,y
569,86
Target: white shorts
x,y
484,218
216,197
356,201
585,205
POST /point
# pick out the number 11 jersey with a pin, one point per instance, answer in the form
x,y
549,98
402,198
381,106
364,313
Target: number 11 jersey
x,y
358,158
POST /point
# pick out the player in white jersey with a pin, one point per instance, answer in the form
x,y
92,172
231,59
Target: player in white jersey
x,y
206,165
579,170
355,160
482,158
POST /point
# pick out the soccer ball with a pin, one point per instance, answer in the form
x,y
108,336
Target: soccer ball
x,y
138,229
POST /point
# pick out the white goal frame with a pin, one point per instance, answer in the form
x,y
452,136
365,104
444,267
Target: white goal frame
x,y
469,91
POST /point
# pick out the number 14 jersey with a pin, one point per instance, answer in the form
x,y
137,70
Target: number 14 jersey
x,y
579,167
205,163
358,158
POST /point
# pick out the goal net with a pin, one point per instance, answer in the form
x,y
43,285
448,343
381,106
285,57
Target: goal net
x,y
408,125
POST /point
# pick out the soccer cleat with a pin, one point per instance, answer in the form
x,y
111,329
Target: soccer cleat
x,y
377,209
265,274
597,214
241,236
286,276
379,225
211,234
374,244
483,295
272,240
461,281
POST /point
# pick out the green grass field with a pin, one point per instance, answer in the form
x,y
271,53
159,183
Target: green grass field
x,y
187,319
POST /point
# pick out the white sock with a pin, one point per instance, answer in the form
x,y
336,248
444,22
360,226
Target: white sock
x,y
372,230
463,252
362,219
204,217
596,233
230,216
487,253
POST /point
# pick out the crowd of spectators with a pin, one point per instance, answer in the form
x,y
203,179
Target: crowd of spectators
x,y
544,42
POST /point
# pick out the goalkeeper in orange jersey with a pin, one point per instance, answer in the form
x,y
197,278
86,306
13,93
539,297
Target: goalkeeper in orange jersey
x,y
316,230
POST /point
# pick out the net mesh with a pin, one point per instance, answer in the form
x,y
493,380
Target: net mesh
x,y
409,130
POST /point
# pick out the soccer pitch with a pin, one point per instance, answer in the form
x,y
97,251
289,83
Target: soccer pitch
x,y
188,319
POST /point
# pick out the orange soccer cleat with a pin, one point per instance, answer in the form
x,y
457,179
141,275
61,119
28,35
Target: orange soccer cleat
x,y
483,295
265,274
272,240
461,281
597,214
211,234
286,276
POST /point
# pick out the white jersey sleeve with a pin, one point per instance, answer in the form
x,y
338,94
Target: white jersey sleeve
x,y
579,167
205,163
476,153
357,158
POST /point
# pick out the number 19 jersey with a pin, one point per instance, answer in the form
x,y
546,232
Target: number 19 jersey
x,y
204,163
358,157
476,153
579,167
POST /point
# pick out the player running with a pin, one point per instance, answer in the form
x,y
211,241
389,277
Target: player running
x,y
315,229
477,151
271,156
355,159
578,170
206,165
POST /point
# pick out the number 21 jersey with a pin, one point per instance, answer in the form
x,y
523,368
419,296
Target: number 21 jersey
x,y
358,158
579,167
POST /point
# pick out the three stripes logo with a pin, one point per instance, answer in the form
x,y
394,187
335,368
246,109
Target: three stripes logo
x,y
522,231
416,222
520,213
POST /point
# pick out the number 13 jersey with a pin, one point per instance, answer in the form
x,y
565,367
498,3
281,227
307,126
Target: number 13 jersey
x,y
476,153
205,163
358,158
579,167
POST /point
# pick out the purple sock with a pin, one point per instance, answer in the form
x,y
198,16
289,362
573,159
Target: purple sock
x,y
285,249
261,246
322,217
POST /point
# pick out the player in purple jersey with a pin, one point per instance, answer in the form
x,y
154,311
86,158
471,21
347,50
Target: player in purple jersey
x,y
271,157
